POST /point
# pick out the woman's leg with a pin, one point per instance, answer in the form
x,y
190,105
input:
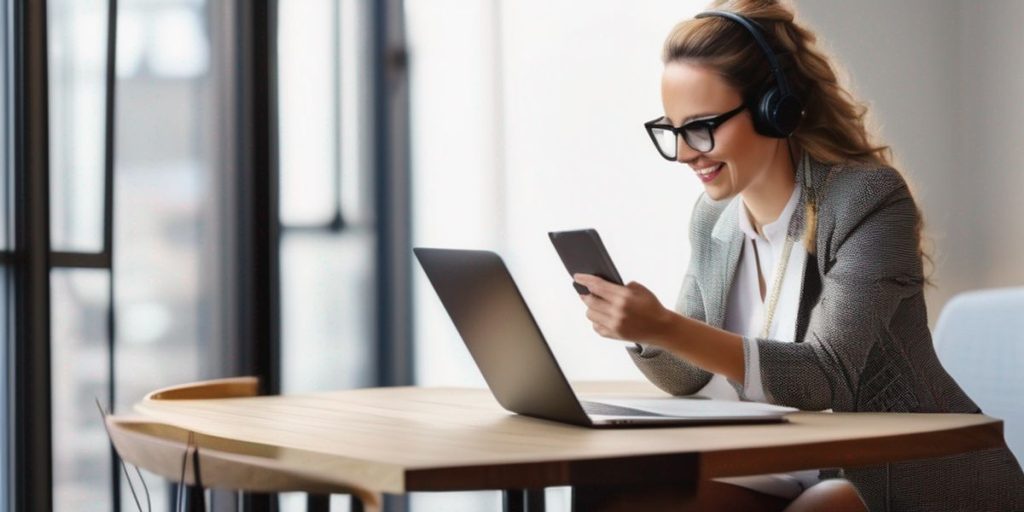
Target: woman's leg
x,y
714,495
836,495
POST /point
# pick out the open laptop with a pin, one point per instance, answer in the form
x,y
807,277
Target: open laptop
x,y
504,340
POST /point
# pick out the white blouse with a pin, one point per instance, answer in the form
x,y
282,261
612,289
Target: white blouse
x,y
745,310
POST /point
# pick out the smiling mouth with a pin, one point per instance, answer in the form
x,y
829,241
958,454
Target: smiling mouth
x,y
708,174
708,170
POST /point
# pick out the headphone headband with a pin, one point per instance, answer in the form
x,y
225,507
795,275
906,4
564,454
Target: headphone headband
x,y
755,30
778,111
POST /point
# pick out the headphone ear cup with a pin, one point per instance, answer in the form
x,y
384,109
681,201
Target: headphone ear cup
x,y
779,114
759,114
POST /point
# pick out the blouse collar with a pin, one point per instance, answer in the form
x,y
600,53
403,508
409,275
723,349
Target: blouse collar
x,y
775,231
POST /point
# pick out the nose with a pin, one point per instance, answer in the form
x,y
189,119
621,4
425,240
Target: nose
x,y
684,153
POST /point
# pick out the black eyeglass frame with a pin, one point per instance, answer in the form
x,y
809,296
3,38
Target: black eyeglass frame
x,y
709,124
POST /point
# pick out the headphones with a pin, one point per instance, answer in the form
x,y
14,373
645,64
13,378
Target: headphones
x,y
778,111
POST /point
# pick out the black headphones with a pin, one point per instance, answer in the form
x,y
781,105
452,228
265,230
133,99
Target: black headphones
x,y
778,111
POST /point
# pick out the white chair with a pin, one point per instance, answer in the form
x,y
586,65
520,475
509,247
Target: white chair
x,y
980,340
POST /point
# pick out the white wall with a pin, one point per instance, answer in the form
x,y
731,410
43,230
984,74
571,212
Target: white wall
x,y
528,117
991,171
943,79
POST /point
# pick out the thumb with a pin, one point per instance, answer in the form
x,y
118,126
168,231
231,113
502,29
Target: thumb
x,y
633,285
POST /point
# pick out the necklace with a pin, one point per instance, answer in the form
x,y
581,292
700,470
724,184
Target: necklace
x,y
776,285
780,272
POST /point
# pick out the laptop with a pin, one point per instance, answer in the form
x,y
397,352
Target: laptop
x,y
516,361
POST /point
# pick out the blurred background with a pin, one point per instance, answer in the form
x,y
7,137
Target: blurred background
x,y
274,162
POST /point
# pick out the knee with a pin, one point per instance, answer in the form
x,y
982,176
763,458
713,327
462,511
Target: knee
x,y
834,495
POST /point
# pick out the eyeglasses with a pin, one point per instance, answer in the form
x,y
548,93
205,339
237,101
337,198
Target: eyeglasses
x,y
698,134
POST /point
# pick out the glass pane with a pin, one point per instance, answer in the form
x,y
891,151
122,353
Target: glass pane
x,y
355,107
77,62
6,226
6,240
327,297
79,375
308,91
7,319
168,239
327,279
166,218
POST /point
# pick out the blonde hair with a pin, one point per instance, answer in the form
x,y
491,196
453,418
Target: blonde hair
x,y
834,129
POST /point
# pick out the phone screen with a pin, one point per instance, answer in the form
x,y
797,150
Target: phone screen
x,y
582,251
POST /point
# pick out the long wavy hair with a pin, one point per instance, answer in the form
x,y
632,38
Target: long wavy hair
x,y
835,127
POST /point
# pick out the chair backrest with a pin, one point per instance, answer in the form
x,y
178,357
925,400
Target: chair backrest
x,y
980,340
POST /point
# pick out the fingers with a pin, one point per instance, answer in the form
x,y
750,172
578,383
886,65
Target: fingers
x,y
616,311
599,317
635,286
597,303
601,324
603,331
600,314
599,286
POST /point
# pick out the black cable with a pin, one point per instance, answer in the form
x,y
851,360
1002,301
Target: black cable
x,y
149,504
180,495
195,466
131,486
124,467
198,484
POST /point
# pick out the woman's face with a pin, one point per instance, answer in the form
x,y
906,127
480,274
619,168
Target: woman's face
x,y
691,92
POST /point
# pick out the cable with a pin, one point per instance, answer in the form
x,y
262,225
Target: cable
x,y
180,495
149,504
124,467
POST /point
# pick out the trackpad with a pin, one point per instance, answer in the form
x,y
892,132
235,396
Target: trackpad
x,y
696,407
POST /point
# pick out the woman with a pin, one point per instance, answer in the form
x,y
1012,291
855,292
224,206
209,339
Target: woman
x,y
805,285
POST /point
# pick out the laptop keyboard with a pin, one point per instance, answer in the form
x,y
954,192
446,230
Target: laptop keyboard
x,y
613,410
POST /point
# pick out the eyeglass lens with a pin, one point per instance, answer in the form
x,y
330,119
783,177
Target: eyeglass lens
x,y
697,137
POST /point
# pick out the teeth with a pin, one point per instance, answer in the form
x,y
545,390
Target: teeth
x,y
706,170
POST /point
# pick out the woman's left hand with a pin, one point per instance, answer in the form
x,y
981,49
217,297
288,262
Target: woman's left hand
x,y
629,312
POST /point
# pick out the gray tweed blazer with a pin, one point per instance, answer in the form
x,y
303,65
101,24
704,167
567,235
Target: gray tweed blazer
x,y
862,335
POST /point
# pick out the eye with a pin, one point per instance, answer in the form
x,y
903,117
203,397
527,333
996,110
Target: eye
x,y
699,124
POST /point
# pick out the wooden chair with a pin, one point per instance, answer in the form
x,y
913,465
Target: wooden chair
x,y
205,461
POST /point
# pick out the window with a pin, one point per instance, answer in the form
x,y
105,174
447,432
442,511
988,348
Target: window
x,y
328,236
6,233
151,251
166,225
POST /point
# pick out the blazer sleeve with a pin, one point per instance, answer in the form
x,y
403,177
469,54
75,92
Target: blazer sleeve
x,y
667,371
871,245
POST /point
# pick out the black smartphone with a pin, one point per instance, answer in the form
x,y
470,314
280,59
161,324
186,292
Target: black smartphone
x,y
583,252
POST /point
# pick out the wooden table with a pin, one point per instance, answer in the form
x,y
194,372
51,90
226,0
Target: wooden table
x,y
395,440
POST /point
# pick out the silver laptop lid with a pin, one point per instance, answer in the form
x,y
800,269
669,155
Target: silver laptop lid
x,y
503,338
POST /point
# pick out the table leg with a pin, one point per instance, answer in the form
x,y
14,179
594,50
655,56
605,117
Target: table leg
x,y
658,497
523,500
318,502
513,500
535,500
259,502
195,499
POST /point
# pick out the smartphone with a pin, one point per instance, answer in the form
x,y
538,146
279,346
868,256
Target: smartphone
x,y
583,252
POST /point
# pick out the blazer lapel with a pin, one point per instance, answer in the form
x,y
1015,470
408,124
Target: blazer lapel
x,y
729,238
